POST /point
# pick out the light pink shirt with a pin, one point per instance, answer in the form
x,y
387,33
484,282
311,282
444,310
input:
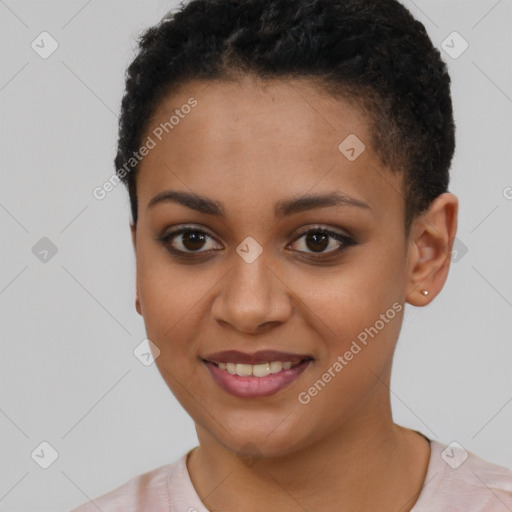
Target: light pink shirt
x,y
453,483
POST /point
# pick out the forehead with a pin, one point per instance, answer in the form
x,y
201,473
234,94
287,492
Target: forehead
x,y
261,140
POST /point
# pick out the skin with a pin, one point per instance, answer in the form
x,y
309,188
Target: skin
x,y
248,145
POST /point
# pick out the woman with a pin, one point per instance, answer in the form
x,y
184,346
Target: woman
x,y
288,167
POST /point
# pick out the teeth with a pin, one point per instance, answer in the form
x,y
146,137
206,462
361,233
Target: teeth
x,y
261,370
256,370
244,370
276,366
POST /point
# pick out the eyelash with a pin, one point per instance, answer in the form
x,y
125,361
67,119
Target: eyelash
x,y
344,239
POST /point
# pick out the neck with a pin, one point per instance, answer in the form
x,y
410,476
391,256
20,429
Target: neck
x,y
370,465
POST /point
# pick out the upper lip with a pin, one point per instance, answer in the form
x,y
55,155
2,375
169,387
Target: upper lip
x,y
262,356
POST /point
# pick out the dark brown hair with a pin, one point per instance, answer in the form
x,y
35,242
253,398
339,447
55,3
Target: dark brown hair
x,y
371,51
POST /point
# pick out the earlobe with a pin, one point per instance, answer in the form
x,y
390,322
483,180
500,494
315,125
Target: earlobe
x,y
133,231
137,301
430,249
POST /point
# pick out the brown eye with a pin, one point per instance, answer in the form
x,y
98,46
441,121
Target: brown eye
x,y
188,240
316,241
193,240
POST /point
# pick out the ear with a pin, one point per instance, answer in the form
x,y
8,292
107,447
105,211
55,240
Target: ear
x,y
133,230
430,249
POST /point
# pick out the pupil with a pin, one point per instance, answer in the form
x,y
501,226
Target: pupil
x,y
193,240
317,238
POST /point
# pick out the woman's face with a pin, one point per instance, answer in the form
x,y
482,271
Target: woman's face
x,y
246,276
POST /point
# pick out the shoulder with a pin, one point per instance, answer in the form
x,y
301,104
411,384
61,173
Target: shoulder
x,y
458,480
148,490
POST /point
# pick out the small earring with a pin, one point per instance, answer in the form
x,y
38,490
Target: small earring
x,y
425,292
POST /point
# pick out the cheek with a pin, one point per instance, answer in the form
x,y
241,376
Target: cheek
x,y
167,296
357,313
353,295
165,288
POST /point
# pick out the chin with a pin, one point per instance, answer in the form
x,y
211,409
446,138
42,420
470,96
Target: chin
x,y
256,442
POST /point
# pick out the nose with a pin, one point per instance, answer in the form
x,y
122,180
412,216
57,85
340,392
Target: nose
x,y
253,298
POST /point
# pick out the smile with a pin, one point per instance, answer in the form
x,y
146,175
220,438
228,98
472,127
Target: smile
x,y
256,380
257,370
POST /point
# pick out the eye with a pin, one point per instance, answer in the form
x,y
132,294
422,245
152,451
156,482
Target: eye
x,y
322,241
187,240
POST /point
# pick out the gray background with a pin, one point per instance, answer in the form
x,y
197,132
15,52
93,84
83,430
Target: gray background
x,y
68,375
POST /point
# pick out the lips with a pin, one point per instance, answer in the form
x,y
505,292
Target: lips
x,y
242,375
262,356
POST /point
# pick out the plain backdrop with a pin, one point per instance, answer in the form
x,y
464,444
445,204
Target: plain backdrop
x,y
68,375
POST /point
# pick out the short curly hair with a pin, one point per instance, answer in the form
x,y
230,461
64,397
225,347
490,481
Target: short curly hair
x,y
373,52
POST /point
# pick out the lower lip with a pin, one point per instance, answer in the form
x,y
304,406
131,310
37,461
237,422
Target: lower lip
x,y
255,387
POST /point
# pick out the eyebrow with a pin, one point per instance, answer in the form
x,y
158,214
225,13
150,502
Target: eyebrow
x,y
283,208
